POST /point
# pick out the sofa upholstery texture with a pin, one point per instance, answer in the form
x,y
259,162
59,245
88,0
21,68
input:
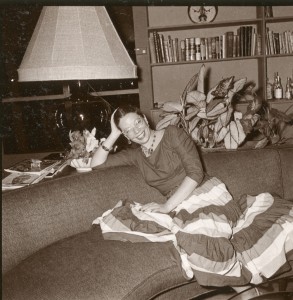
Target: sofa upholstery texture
x,y
50,250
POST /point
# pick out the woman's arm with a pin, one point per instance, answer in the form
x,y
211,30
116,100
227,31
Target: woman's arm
x,y
102,153
182,192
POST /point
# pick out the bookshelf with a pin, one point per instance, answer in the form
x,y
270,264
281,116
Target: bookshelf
x,y
165,81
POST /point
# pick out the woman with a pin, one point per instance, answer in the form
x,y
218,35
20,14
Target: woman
x,y
217,250
168,158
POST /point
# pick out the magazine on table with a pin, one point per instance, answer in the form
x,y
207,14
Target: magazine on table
x,y
33,166
17,180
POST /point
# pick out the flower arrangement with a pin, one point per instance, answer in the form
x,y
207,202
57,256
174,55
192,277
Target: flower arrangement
x,y
83,145
210,118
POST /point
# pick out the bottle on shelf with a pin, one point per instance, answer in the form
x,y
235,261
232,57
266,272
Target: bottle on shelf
x,y
269,90
288,92
278,89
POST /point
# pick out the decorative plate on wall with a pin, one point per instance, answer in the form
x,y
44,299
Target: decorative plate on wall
x,y
202,14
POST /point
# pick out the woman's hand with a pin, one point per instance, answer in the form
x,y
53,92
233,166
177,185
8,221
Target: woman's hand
x,y
114,129
81,162
155,207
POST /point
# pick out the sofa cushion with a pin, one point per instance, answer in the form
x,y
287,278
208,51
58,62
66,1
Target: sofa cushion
x,y
247,171
286,157
39,215
85,267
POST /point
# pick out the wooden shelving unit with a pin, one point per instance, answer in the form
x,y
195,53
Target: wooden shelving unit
x,y
161,82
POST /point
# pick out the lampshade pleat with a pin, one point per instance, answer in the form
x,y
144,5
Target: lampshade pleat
x,y
75,43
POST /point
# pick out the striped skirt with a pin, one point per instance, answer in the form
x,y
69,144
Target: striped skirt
x,y
218,240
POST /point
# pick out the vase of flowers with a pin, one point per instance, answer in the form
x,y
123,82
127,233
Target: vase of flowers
x,y
83,146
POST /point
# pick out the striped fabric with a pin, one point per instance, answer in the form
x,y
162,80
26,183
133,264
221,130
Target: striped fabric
x,y
219,241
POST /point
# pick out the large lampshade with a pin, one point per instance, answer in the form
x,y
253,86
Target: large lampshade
x,y
75,43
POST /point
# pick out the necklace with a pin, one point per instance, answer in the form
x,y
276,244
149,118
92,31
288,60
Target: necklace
x,y
148,151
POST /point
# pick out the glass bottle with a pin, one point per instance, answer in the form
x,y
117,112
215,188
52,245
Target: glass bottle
x,y
288,93
278,89
269,90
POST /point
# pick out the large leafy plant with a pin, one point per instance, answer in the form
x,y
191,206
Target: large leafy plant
x,y
271,126
210,118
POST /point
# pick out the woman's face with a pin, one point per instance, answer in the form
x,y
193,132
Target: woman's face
x,y
135,128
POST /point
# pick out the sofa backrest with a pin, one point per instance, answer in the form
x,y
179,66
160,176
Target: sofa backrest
x,y
253,171
38,215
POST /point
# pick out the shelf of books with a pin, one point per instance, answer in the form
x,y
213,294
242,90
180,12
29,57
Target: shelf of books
x,y
245,42
279,42
242,41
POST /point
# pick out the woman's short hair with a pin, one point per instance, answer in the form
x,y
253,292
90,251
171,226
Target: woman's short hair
x,y
124,110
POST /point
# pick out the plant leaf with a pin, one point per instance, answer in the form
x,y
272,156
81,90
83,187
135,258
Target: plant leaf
x,y
262,143
165,121
171,106
221,134
174,121
217,110
223,87
191,112
235,136
226,116
193,123
210,95
200,84
238,85
213,103
195,97
191,86
280,115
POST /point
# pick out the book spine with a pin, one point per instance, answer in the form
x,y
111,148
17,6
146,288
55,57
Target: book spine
x,y
214,51
152,50
244,40
197,49
249,34
281,43
229,43
175,48
258,45
156,43
277,43
166,49
210,47
290,44
162,48
192,48
286,43
187,49
224,46
202,49
182,50
218,55
170,47
234,45
237,45
241,34
271,42
207,47
253,39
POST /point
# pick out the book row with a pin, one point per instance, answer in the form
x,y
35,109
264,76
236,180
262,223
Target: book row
x,y
279,43
245,42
